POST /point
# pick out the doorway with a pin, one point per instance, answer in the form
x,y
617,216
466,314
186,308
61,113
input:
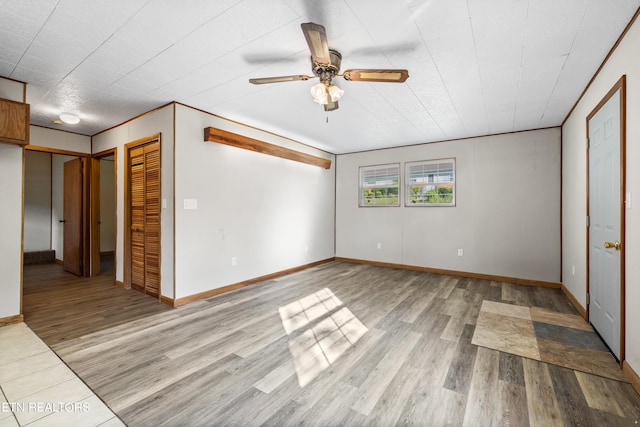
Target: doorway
x,y
142,216
47,227
103,212
606,214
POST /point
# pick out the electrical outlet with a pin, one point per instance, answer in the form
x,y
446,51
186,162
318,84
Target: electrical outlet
x,y
460,252
573,270
379,245
234,260
191,203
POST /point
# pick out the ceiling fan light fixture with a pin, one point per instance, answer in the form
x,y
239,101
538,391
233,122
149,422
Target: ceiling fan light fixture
x,y
319,93
69,118
335,93
322,93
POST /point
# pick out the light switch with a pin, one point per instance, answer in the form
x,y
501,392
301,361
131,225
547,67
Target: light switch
x,y
191,203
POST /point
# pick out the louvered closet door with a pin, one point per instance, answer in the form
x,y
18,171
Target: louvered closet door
x,y
145,218
152,219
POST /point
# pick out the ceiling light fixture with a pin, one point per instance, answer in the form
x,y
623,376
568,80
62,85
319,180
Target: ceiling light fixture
x,y
335,93
69,118
319,93
322,92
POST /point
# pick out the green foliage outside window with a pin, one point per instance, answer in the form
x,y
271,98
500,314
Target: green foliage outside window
x,y
441,195
380,196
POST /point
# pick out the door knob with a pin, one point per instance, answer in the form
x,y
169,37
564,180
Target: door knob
x,y
609,245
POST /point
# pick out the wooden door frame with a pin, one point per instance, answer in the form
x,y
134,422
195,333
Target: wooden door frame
x,y
86,192
95,204
127,206
621,86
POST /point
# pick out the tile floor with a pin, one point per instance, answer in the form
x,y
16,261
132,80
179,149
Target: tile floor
x,y
38,389
557,338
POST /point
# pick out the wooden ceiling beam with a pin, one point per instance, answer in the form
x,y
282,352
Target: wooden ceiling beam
x,y
212,134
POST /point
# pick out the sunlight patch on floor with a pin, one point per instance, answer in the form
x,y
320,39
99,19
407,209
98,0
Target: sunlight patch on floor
x,y
330,330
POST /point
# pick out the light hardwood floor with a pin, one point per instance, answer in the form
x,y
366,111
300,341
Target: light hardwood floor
x,y
337,344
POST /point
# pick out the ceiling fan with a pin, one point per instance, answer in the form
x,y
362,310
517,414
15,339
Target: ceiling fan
x,y
325,64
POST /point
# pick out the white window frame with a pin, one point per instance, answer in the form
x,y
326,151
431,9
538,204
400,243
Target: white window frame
x,y
381,172
432,178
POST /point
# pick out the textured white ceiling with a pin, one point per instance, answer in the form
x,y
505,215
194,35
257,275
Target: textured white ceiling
x,y
476,67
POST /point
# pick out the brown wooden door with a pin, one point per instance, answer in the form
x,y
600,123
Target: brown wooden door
x,y
72,211
95,217
144,196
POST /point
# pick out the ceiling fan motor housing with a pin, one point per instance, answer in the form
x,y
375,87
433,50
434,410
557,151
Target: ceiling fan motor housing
x,y
327,71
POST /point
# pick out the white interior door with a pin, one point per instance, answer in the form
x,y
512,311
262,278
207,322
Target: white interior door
x,y
604,222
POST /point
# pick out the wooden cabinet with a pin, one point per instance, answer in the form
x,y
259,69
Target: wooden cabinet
x,y
14,122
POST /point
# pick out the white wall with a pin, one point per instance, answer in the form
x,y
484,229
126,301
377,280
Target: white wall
x,y
59,140
270,213
10,229
11,177
624,60
12,90
506,219
107,206
158,121
37,201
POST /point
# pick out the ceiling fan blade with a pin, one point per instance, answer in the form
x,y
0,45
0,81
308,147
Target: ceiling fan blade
x,y
388,49
317,41
280,79
265,58
390,76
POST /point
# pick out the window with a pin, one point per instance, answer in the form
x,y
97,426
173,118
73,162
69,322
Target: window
x,y
431,183
380,185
